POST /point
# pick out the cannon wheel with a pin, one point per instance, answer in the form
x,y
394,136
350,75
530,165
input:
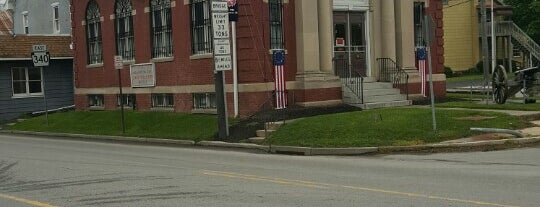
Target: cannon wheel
x,y
499,84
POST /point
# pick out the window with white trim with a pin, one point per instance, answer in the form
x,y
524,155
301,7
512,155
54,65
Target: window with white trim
x,y
95,100
276,24
128,99
93,33
162,100
204,101
161,28
55,18
201,27
26,81
124,29
25,22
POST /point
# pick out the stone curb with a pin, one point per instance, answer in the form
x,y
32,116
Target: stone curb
x,y
104,137
306,151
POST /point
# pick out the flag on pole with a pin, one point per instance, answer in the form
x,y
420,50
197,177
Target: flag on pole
x,y
421,64
279,77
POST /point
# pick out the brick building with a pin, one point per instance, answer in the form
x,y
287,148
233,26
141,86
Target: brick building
x,y
173,39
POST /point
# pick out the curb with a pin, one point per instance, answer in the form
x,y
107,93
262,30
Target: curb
x,y
104,137
292,150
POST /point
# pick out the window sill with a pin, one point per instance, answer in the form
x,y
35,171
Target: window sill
x,y
128,62
204,111
162,109
96,108
161,60
96,65
271,51
27,96
201,56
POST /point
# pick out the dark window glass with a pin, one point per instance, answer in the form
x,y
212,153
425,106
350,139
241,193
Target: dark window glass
x,y
161,28
276,24
93,33
124,29
201,27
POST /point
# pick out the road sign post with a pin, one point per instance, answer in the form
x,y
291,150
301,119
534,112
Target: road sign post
x,y
222,60
118,65
40,58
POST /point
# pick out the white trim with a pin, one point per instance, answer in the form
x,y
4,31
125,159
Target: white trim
x,y
55,4
27,82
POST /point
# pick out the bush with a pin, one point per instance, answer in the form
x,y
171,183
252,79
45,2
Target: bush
x,y
448,72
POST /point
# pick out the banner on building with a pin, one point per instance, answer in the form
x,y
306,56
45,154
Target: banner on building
x,y
280,82
143,75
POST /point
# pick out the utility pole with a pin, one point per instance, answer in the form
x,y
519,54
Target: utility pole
x,y
485,50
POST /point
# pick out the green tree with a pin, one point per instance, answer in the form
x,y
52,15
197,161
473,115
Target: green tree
x,y
526,14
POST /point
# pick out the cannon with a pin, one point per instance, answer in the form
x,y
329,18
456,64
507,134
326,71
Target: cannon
x,y
523,82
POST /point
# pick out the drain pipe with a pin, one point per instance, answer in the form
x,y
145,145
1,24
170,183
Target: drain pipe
x,y
504,131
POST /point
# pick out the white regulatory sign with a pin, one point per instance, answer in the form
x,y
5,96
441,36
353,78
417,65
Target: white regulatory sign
x,y
220,6
222,47
220,25
118,63
40,59
39,48
223,62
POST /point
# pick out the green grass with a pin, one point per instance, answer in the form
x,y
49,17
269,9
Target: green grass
x,y
457,100
386,127
465,78
138,124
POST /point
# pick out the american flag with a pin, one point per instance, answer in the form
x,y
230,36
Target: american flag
x,y
421,65
279,77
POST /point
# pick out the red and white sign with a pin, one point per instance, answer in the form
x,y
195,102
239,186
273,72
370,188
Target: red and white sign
x,y
231,3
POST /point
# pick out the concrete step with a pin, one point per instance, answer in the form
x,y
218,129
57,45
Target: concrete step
x,y
384,104
264,133
274,125
385,98
257,140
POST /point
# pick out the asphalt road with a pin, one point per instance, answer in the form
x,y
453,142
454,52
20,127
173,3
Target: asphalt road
x,y
49,173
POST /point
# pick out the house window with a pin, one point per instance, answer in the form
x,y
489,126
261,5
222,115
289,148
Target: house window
x,y
56,21
27,81
95,100
161,28
129,100
162,100
93,33
124,29
276,24
204,101
201,27
419,39
25,22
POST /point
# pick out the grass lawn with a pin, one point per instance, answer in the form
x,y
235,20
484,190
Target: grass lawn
x,y
138,124
465,78
457,100
387,127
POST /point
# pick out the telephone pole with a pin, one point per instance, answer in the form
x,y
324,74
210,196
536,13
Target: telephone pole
x,y
485,50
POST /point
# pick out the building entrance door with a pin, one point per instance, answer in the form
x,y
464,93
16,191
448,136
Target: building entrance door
x,y
350,52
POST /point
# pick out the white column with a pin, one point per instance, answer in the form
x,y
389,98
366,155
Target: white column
x,y
325,34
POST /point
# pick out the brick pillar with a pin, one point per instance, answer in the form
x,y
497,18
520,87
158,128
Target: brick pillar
x,y
144,102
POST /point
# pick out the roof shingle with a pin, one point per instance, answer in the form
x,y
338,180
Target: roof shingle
x,y
20,46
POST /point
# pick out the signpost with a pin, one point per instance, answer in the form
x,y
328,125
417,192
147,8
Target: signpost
x,y
41,58
429,38
222,59
233,18
118,65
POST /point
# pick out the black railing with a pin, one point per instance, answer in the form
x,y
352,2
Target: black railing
x,y
350,77
391,72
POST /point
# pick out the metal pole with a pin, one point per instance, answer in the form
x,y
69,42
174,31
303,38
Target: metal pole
x,y
493,39
45,98
221,108
121,102
429,28
485,50
235,69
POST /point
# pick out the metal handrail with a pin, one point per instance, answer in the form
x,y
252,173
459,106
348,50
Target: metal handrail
x,y
509,28
350,78
391,72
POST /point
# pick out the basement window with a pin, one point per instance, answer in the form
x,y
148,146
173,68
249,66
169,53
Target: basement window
x,y
95,101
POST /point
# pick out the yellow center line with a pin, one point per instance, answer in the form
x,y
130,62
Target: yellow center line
x,y
326,186
26,201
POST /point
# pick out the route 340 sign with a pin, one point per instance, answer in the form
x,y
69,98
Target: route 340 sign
x,y
40,56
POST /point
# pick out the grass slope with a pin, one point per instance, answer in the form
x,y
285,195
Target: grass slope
x,y
138,124
386,127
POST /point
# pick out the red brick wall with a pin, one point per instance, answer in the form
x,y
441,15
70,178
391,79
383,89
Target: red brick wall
x,y
81,102
435,9
144,102
312,95
183,102
109,101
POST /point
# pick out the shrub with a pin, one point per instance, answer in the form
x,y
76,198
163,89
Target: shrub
x,y
448,72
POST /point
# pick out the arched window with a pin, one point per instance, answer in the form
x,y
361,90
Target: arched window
x,y
124,29
161,28
93,33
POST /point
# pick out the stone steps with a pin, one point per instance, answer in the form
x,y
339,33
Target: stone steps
x,y
262,134
376,95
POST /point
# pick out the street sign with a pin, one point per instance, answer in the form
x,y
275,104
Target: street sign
x,y
118,62
220,24
40,59
39,48
223,63
222,47
233,10
220,6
